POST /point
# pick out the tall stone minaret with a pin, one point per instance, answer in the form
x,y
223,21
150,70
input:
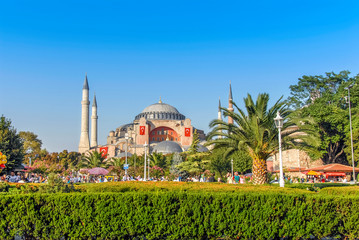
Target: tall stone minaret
x,y
230,104
220,114
94,123
84,138
219,110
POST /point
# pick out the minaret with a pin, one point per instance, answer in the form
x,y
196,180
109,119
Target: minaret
x,y
230,104
219,110
84,138
220,115
94,123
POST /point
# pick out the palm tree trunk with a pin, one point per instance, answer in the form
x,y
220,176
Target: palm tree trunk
x,y
259,171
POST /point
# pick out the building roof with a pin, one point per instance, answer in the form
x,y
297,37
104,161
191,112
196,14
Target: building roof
x,y
86,84
167,147
160,107
201,148
161,111
94,103
334,167
124,127
123,154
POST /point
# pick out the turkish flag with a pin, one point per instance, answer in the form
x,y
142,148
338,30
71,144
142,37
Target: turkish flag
x,y
142,130
187,132
104,151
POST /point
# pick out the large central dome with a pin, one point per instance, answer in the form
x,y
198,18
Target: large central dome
x,y
161,111
160,107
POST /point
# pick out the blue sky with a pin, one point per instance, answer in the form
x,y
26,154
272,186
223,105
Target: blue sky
x,y
136,51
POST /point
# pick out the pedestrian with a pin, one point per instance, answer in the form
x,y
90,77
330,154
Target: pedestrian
x,y
13,178
229,178
236,177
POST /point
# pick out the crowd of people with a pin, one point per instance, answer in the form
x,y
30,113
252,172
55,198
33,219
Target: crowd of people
x,y
236,178
26,177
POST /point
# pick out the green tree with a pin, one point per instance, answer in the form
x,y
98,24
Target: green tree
x,y
242,162
69,160
323,99
158,159
11,144
92,160
176,160
253,131
194,146
31,142
195,164
116,162
219,162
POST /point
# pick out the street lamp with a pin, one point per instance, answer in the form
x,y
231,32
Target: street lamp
x,y
148,163
279,124
144,175
126,137
351,131
232,166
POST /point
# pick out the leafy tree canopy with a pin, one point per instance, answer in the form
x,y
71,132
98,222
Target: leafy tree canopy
x,y
92,160
11,144
31,142
323,98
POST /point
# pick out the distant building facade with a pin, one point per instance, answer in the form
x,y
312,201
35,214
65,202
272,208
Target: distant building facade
x,y
157,123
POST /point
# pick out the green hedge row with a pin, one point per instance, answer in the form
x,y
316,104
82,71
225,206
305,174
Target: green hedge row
x,y
174,215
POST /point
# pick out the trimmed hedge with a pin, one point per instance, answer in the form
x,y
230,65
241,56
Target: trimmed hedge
x,y
178,215
185,187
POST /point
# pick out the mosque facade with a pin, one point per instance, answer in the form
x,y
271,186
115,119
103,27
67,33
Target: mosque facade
x,y
160,127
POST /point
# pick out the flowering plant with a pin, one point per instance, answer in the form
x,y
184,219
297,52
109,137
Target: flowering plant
x,y
156,171
3,160
207,173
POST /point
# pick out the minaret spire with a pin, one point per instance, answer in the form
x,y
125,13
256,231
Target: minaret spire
x,y
219,105
230,104
84,137
219,114
94,118
86,84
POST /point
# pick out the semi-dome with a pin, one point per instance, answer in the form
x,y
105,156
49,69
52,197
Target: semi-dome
x,y
202,148
167,147
161,111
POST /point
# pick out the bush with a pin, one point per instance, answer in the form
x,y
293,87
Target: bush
x,y
178,215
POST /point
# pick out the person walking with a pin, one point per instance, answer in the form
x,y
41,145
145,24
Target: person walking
x,y
236,177
229,178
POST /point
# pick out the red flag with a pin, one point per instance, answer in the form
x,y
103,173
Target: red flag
x,y
104,151
142,130
187,132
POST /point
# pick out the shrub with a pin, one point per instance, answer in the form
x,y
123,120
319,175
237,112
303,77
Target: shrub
x,y
178,215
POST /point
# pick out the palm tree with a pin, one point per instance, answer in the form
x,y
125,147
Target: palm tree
x,y
158,159
116,162
253,131
93,159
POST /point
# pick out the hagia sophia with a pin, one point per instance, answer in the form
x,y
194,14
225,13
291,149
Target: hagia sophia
x,y
159,126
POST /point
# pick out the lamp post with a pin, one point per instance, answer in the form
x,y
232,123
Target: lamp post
x,y
232,166
126,137
148,163
144,174
351,131
279,124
